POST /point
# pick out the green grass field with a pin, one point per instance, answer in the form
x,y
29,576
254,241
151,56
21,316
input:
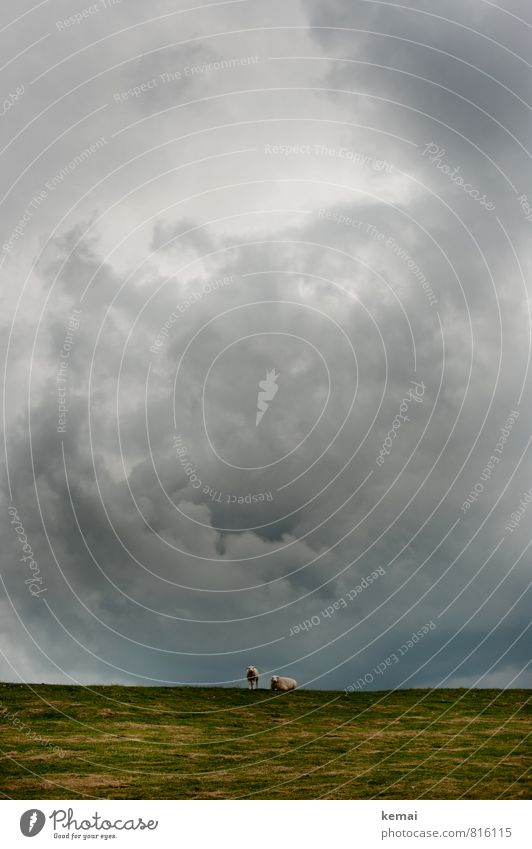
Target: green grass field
x,y
188,743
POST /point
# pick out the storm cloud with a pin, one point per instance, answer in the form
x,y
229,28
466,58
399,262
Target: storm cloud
x,y
316,210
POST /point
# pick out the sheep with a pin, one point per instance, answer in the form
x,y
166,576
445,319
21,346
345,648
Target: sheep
x,y
252,675
278,683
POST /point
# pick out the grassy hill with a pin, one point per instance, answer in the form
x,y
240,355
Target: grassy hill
x,y
188,742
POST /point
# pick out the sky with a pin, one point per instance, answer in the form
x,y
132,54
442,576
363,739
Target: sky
x,y
266,342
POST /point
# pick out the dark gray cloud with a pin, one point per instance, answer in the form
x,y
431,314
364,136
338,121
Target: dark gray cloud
x,y
302,232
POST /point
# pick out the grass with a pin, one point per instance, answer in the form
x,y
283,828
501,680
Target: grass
x,y
217,743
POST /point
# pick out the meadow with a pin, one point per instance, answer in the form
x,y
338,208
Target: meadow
x,y
115,742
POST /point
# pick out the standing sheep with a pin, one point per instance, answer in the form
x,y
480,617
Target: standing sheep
x,y
252,674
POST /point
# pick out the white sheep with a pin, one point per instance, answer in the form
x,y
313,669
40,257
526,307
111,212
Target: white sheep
x,y
252,674
278,683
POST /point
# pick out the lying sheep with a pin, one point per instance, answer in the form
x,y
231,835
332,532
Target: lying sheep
x,y
278,683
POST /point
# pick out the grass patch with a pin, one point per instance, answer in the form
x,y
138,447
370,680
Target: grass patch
x,y
193,742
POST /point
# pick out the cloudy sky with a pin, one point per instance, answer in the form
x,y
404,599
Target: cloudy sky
x,y
314,210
